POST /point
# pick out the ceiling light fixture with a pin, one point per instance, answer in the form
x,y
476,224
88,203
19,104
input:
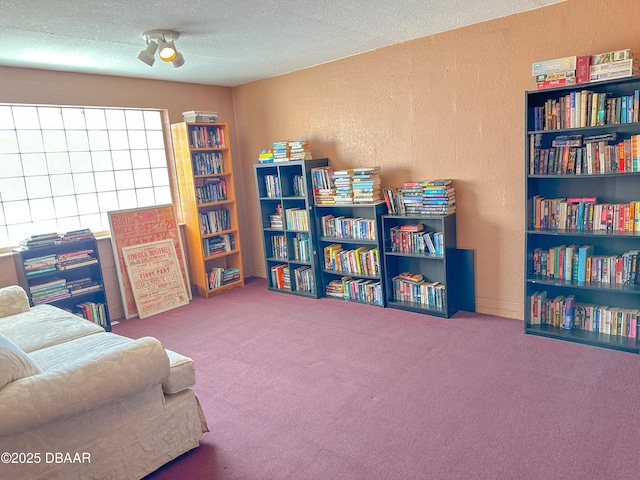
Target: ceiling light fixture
x,y
161,41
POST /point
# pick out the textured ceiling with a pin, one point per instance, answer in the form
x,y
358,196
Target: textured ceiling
x,y
224,42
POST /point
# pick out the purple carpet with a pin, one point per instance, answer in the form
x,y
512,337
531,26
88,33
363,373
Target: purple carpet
x,y
296,388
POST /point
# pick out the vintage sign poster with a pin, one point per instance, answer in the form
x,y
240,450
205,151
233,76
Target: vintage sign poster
x,y
139,226
155,277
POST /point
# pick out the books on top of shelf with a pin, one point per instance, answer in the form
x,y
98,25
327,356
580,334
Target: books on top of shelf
x,y
286,150
42,240
198,116
366,184
323,188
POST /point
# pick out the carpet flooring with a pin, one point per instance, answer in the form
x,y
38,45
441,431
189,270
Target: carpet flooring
x,y
297,388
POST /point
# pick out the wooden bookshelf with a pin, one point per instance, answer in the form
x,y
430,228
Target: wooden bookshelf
x,y
604,307
204,169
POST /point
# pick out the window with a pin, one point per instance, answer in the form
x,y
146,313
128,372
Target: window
x,y
64,168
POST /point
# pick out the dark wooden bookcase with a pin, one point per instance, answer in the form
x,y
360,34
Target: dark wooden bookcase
x,y
359,288
72,301
608,187
291,257
453,268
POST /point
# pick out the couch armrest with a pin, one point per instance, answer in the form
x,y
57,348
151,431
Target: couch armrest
x,y
55,395
13,300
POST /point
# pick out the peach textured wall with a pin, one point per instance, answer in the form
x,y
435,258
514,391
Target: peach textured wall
x,y
60,88
447,105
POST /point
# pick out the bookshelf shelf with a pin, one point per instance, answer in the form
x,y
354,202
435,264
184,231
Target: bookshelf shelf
x,y
362,280
287,226
89,301
581,240
208,206
450,267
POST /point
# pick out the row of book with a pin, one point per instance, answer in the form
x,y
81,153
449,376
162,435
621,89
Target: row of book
x,y
279,247
211,190
59,288
284,151
272,186
579,263
301,247
219,276
584,213
345,227
414,288
93,311
356,290
61,261
564,312
219,244
214,221
296,219
209,163
207,137
358,261
603,155
411,238
578,69
585,108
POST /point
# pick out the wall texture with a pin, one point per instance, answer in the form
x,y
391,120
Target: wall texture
x,y
447,105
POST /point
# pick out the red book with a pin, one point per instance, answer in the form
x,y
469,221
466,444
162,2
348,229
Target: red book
x,y
583,64
413,227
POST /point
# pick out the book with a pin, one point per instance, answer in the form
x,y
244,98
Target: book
x,y
412,227
555,65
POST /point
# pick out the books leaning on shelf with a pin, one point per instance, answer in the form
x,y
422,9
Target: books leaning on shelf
x,y
207,137
208,163
358,261
564,312
92,311
415,241
218,244
323,189
414,288
214,221
304,279
353,228
280,277
210,190
219,276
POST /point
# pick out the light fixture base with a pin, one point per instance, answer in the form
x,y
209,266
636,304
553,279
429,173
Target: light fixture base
x,y
167,35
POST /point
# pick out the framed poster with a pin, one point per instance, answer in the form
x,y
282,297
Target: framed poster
x,y
155,277
137,226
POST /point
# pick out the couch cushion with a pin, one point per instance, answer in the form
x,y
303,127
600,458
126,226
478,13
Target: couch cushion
x,y
13,299
14,363
182,374
45,325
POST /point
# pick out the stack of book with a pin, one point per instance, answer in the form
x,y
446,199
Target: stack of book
x,y
323,188
612,65
276,218
342,181
299,150
83,285
199,116
230,275
281,151
43,240
366,184
411,198
335,288
81,258
73,235
577,69
219,244
438,197
43,264
53,289
265,156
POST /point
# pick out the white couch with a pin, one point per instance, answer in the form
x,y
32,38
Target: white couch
x,y
79,402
